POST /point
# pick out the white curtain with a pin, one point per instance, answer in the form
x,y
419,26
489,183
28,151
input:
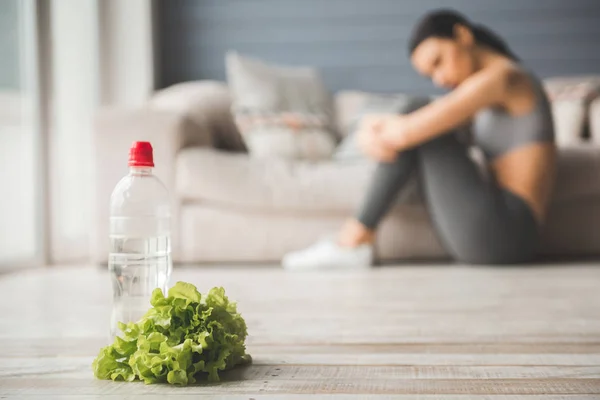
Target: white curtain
x,y
20,212
101,55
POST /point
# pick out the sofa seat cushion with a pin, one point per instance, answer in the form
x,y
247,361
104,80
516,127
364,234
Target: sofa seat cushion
x,y
274,184
234,179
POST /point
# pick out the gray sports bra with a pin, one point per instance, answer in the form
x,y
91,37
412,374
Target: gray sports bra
x,y
497,132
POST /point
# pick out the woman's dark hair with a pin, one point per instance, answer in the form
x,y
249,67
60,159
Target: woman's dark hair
x,y
441,23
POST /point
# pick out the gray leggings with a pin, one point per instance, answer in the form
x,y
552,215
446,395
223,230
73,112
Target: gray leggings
x,y
477,221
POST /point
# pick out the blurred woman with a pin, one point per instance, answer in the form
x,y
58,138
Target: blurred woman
x,y
493,220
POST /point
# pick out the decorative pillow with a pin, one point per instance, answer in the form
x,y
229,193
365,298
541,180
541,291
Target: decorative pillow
x,y
585,88
281,111
570,98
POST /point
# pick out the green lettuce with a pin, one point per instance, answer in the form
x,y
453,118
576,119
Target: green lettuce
x,y
183,338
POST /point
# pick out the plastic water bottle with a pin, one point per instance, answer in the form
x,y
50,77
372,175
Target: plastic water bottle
x,y
140,243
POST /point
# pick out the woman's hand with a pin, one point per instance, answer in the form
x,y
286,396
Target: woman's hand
x,y
370,138
394,132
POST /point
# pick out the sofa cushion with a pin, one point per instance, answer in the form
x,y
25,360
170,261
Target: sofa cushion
x,y
274,184
570,98
585,88
569,118
237,180
281,111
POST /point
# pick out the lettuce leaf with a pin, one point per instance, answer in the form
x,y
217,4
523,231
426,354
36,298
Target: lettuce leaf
x,y
183,338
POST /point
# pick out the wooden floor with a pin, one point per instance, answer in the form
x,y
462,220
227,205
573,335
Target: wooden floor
x,y
389,333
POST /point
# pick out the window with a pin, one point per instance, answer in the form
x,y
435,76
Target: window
x,y
21,156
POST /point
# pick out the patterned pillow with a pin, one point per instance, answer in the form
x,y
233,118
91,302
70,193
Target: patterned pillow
x,y
573,88
570,98
281,111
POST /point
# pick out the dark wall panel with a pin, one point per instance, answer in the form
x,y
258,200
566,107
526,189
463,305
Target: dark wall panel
x,y
361,44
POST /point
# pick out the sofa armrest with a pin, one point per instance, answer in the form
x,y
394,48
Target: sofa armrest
x,y
113,132
206,103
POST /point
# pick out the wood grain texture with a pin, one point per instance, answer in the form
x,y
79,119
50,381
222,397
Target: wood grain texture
x,y
317,396
389,333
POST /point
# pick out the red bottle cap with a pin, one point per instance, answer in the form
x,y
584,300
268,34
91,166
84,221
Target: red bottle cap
x,y
140,155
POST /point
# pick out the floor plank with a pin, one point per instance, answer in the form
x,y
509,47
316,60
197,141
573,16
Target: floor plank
x,y
316,396
389,333
45,387
71,368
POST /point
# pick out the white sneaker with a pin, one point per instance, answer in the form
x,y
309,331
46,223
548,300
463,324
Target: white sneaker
x,y
327,254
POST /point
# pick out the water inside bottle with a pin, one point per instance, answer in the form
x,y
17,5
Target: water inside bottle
x,y
137,266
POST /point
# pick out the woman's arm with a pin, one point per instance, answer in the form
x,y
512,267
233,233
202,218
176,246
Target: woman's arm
x,y
483,89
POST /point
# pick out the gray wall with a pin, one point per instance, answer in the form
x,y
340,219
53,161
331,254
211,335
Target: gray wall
x,y
361,44
9,44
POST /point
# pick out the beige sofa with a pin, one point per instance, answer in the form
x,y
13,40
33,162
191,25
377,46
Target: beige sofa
x,y
228,207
